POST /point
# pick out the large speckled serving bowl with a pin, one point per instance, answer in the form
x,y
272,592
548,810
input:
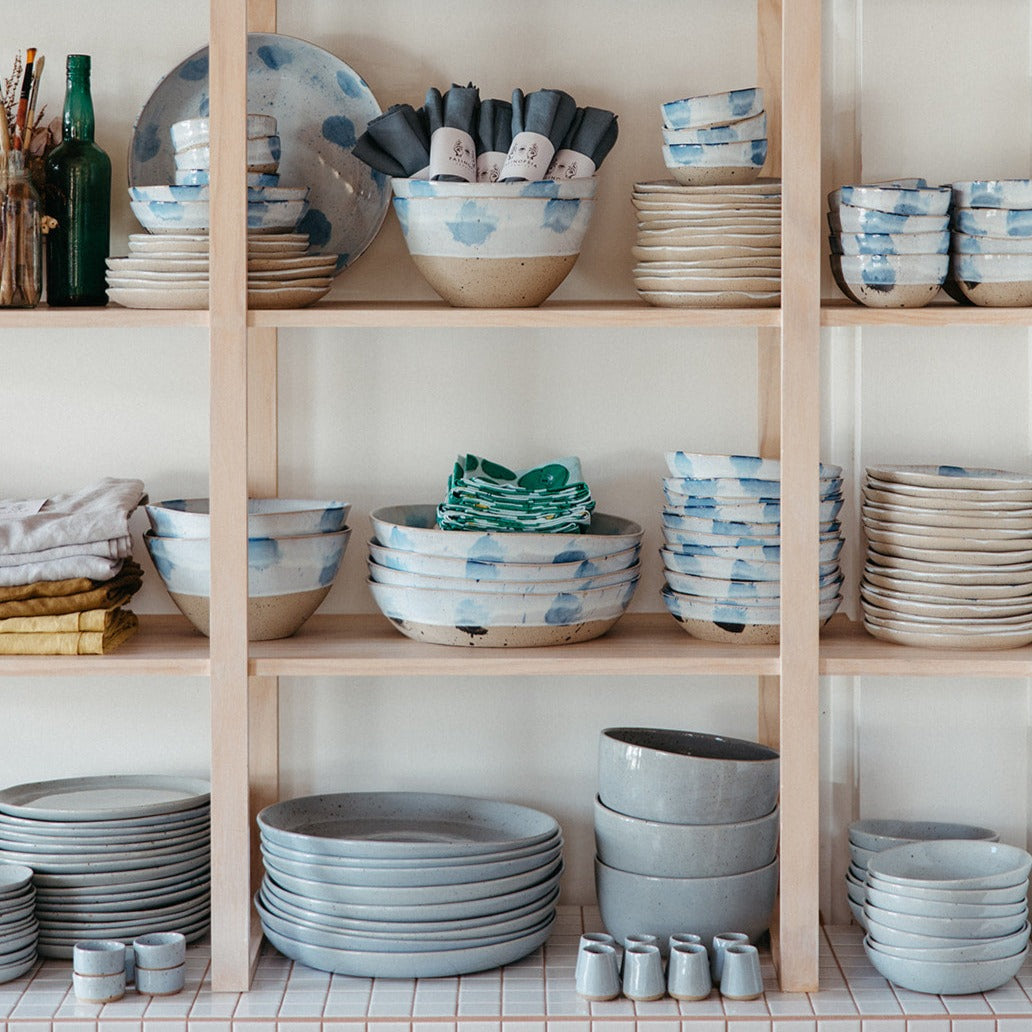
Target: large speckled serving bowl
x,y
946,978
494,245
685,777
266,517
288,578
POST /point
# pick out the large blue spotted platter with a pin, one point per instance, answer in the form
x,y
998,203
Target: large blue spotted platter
x,y
321,107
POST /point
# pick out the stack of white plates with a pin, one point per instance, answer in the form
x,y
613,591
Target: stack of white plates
x,y
112,857
171,271
407,884
949,556
18,927
708,246
722,545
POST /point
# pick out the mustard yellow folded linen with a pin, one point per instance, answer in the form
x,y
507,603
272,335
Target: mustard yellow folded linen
x,y
71,643
46,589
101,595
64,623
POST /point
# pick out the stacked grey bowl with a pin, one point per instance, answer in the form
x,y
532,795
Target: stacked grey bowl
x,y
686,831
19,929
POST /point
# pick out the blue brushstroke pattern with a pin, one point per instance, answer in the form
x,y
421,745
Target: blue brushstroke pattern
x,y
570,555
146,143
262,553
477,569
401,209
560,214
330,568
470,613
541,188
742,101
274,55
317,226
475,225
758,152
565,609
349,85
340,130
195,70
486,549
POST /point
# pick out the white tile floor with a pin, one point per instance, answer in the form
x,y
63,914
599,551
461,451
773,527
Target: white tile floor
x,y
534,995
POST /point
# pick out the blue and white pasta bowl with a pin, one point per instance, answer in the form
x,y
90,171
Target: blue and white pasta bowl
x,y
753,128
994,222
993,193
194,217
894,199
712,109
713,164
890,281
847,218
890,243
994,280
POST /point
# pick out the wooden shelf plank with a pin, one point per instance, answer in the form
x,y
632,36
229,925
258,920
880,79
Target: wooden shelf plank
x,y
846,648
947,313
164,646
367,645
632,314
108,317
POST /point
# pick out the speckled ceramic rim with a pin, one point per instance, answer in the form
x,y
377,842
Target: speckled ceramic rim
x,y
97,958
159,950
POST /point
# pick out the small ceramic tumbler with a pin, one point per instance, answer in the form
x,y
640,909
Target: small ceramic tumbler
x,y
720,944
683,937
688,972
160,981
597,976
98,957
604,937
643,972
99,988
741,978
160,950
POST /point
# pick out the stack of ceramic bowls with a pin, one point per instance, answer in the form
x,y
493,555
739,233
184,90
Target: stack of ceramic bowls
x,y
722,554
491,588
708,246
112,857
992,242
868,837
294,551
19,929
686,827
407,884
890,242
949,556
948,917
715,139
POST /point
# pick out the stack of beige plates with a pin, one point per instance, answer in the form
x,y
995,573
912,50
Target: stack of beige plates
x,y
708,246
170,270
949,556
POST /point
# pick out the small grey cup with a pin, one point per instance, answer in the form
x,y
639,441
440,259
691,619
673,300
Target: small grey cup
x,y
643,972
688,971
741,978
720,944
604,937
597,977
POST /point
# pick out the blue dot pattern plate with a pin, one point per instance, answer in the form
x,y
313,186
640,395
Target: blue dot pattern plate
x,y
321,107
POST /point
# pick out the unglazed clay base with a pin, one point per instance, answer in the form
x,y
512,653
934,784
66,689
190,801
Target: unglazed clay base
x,y
268,617
736,634
504,637
495,282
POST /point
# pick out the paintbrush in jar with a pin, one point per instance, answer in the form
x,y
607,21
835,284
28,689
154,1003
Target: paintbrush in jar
x,y
23,100
30,117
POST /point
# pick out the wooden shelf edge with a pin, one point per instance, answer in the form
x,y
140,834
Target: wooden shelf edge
x,y
840,312
108,317
367,645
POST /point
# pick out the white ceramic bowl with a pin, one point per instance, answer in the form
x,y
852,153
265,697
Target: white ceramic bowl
x,y
895,200
915,940
878,834
986,949
754,128
683,850
263,155
709,164
890,281
192,216
266,517
944,927
994,222
196,132
849,219
993,193
890,243
966,243
943,977
702,465
685,777
953,864
712,109
735,613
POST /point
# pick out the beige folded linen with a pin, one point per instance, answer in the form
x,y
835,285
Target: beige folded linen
x,y
88,620
72,643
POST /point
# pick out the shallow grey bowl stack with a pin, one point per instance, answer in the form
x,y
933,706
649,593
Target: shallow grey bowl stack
x,y
686,831
19,930
407,884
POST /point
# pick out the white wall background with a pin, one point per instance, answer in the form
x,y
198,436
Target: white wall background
x,y
376,416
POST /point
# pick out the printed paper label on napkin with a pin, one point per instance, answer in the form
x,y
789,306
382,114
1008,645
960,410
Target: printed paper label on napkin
x,y
453,153
14,509
489,166
570,164
528,157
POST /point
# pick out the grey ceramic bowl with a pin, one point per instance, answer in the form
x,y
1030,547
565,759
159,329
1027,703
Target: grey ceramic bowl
x,y
878,834
944,977
986,949
685,776
684,850
1008,894
953,864
941,908
663,906
944,927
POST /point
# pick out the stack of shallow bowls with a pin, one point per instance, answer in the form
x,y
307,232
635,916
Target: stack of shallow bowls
x,y
948,917
868,837
722,554
19,929
708,246
686,827
890,242
294,550
715,139
112,857
992,242
949,556
407,884
490,588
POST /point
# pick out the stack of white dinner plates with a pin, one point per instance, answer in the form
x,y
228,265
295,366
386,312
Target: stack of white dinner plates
x,y
112,857
949,556
407,884
18,927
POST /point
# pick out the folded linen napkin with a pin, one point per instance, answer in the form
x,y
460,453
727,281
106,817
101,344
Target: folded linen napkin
x,y
46,589
590,138
115,548
92,566
494,138
103,593
65,623
452,119
540,122
72,643
397,143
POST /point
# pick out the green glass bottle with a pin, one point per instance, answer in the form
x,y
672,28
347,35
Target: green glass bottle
x,y
78,197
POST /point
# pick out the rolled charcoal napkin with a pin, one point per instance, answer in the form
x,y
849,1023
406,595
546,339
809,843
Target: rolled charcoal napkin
x,y
453,151
590,139
540,122
396,143
494,137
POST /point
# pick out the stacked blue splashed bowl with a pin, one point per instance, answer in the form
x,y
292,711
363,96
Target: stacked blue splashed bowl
x,y
722,545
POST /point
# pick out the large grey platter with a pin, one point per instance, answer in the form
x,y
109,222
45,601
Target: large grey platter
x,y
117,881
91,863
104,798
59,849
145,829
404,825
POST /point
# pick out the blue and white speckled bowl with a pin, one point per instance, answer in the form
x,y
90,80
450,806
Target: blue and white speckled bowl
x,y
890,281
712,109
741,566
994,222
713,164
754,128
965,243
890,243
741,487
993,193
266,517
193,216
994,280
196,132
754,512
896,200
200,192
263,155
849,219
699,465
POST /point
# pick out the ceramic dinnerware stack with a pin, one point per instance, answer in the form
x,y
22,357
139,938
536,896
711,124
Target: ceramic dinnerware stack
x,y
890,242
19,929
496,588
948,917
708,246
112,857
992,242
867,837
686,828
721,553
949,556
715,139
407,884
294,551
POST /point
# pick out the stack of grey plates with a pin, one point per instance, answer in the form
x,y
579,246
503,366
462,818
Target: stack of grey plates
x,y
18,927
112,857
407,884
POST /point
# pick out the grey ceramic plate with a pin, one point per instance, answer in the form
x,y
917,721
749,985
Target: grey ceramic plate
x,y
114,797
129,910
408,965
96,846
85,832
127,880
14,879
61,946
404,825
89,863
9,972
105,925
131,901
